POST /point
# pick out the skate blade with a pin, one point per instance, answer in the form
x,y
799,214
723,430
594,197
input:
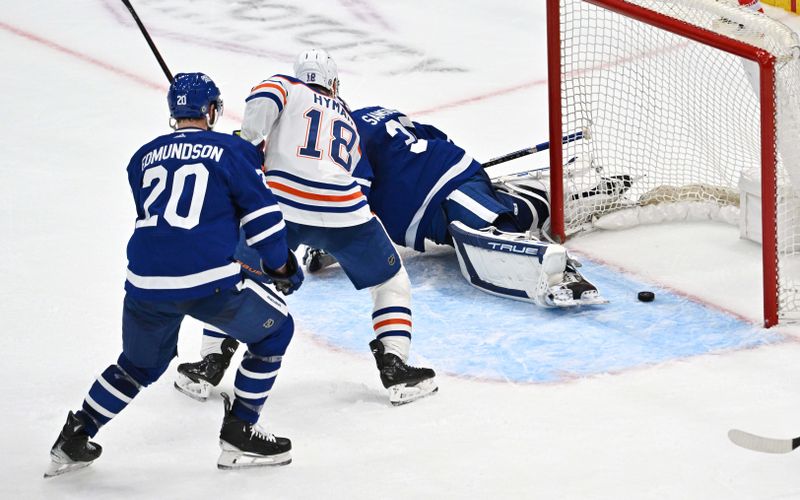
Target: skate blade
x,y
402,394
199,391
586,300
233,458
59,469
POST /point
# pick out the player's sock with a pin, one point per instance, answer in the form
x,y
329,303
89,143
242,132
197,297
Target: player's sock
x,y
391,313
212,340
392,326
254,381
113,390
256,374
243,443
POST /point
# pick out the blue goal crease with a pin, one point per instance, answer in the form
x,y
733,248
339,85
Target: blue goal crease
x,y
463,331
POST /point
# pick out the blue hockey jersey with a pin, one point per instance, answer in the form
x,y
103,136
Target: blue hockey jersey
x,y
193,189
408,158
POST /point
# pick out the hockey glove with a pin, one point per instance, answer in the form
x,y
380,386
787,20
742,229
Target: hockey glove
x,y
288,281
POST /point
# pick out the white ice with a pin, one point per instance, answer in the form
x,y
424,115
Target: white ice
x,y
617,415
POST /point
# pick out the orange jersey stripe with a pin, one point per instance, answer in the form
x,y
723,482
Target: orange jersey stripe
x,y
271,85
314,196
396,321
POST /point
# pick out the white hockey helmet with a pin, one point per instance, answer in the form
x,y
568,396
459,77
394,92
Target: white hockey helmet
x,y
317,67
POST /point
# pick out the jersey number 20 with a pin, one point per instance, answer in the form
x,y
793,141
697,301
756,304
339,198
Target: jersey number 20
x,y
158,175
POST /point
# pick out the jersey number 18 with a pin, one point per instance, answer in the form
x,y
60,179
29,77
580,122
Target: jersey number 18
x,y
342,140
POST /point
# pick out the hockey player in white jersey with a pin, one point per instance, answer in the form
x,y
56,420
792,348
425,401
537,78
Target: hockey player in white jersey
x,y
312,150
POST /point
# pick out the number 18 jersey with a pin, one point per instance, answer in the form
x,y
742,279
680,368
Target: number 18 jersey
x,y
312,149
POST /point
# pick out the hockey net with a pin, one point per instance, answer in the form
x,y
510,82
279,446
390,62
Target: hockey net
x,y
687,97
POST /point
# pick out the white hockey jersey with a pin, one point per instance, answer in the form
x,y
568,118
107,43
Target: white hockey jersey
x,y
312,149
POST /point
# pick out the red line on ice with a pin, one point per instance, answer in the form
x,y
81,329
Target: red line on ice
x,y
79,55
482,97
94,61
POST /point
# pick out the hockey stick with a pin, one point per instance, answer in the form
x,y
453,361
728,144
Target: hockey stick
x,y
762,444
149,41
529,151
532,172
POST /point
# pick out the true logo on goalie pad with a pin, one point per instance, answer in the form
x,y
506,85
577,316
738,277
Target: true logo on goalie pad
x,y
506,247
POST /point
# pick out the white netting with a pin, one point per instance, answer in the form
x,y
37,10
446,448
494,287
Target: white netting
x,y
680,117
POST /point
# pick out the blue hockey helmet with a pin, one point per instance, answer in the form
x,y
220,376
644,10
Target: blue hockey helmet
x,y
191,95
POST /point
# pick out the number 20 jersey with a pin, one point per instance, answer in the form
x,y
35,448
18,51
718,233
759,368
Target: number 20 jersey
x,y
193,189
312,150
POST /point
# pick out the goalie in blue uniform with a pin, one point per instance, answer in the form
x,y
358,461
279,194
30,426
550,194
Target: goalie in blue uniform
x,y
423,186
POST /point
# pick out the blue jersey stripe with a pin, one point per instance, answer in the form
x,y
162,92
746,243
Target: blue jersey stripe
x,y
317,208
277,100
393,333
306,182
387,310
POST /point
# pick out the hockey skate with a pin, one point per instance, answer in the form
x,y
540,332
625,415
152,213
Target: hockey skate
x,y
196,379
572,289
72,449
405,383
316,259
248,445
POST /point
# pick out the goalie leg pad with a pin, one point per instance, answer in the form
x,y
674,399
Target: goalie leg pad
x,y
511,265
587,190
530,200
516,266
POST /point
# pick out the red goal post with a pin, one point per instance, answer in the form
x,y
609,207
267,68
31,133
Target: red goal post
x,y
658,87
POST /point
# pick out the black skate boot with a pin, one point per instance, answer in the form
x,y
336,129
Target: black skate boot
x,y
316,259
72,449
405,383
196,379
574,289
247,445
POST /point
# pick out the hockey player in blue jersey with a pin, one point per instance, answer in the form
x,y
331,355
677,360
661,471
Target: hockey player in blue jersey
x,y
423,186
193,189
311,157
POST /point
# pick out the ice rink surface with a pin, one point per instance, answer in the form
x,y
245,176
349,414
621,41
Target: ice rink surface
x,y
629,400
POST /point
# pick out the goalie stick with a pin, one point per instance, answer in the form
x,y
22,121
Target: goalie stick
x,y
149,41
580,134
763,444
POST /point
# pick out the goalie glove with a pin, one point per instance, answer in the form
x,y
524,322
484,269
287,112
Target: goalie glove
x,y
288,281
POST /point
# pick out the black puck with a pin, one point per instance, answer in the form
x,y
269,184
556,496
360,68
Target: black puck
x,y
646,296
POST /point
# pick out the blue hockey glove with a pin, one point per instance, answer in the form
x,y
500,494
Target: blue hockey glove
x,y
290,280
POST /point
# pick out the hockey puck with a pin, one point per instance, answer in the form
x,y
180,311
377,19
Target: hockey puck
x,y
646,296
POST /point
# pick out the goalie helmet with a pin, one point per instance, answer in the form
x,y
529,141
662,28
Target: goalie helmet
x,y
316,67
191,95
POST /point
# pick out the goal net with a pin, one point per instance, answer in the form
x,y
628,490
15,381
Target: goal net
x,y
691,99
